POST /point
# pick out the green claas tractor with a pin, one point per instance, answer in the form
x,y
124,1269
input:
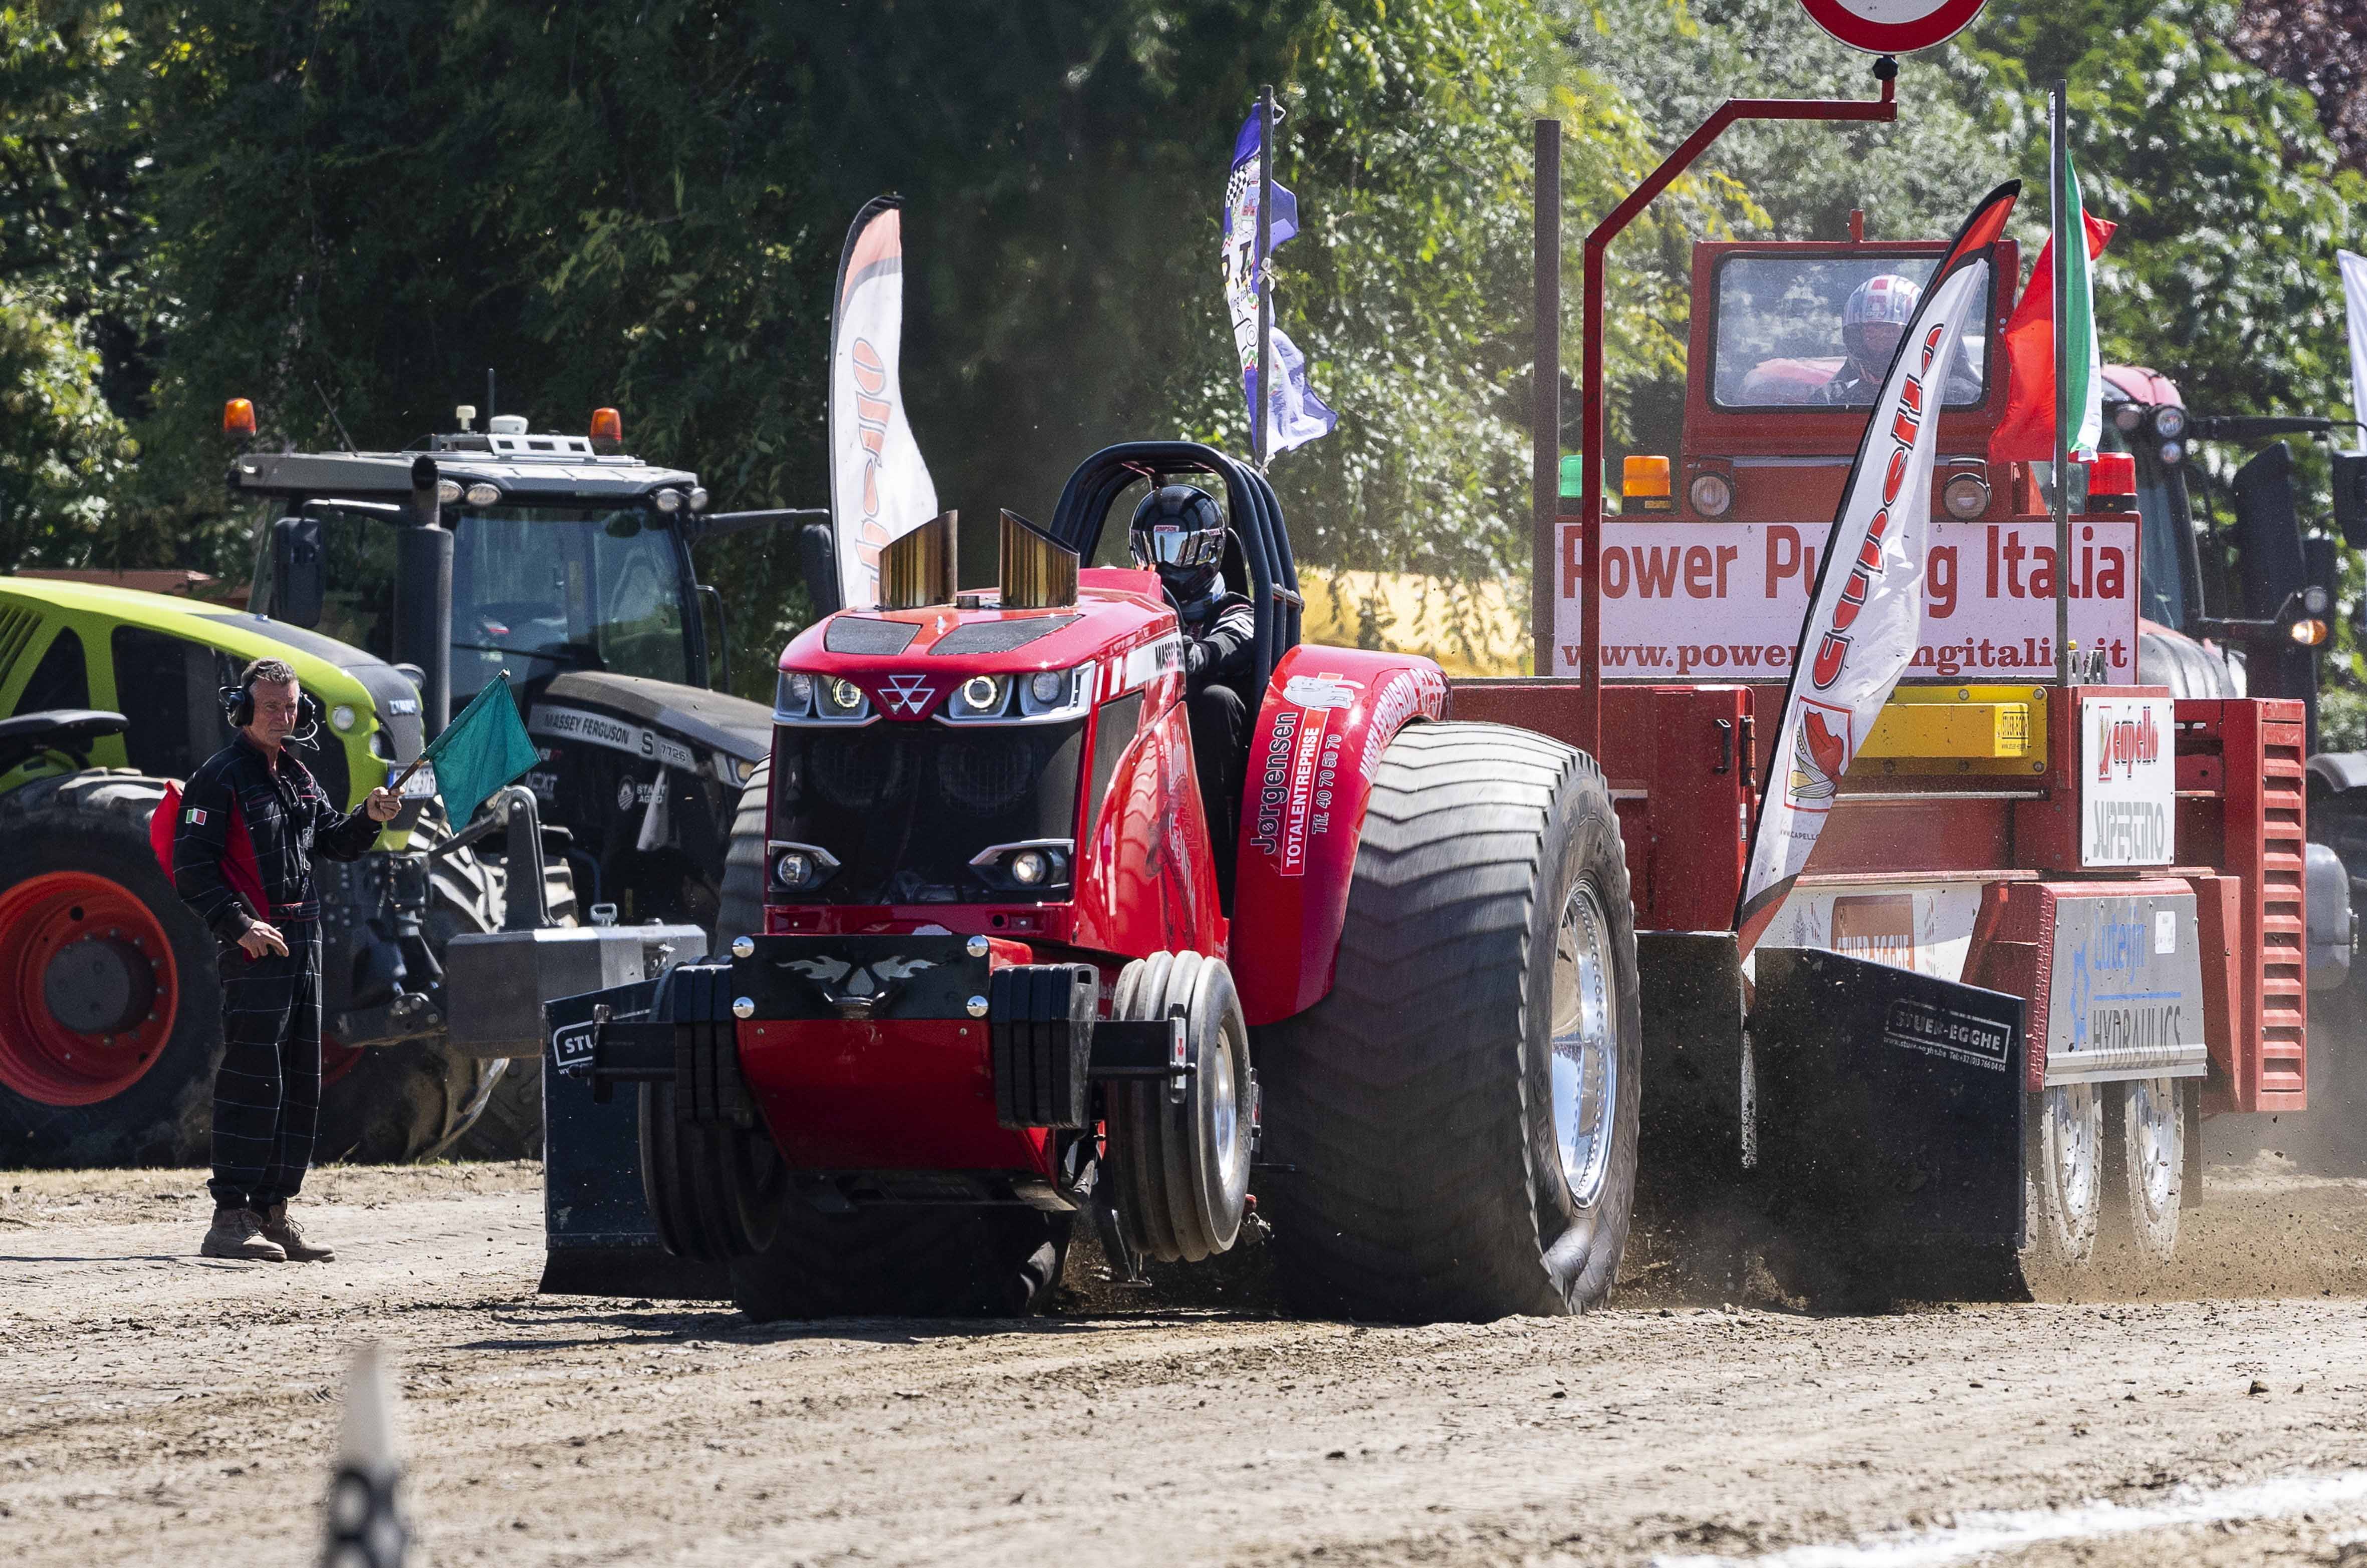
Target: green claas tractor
x,y
110,1017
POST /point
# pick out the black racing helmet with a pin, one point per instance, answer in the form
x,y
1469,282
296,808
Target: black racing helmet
x,y
1179,533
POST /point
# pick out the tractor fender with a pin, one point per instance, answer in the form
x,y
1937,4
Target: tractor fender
x,y
1328,714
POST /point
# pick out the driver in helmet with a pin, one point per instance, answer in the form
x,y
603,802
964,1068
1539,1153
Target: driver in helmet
x,y
1873,322
1179,533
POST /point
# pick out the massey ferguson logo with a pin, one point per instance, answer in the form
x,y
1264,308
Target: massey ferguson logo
x,y
2125,745
906,694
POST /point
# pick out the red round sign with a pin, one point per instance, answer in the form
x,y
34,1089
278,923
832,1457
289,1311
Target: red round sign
x,y
1892,27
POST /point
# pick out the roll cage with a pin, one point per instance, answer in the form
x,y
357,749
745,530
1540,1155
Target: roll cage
x,y
1250,508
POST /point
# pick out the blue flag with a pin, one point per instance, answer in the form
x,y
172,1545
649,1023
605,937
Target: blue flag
x,y
1295,415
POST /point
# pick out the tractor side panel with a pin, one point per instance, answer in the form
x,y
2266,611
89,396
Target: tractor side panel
x,y
1328,714
1147,881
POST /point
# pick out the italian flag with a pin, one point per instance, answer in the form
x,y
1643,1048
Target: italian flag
x,y
2027,431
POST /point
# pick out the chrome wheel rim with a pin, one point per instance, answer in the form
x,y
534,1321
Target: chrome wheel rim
x,y
2076,1181
2155,1144
1223,1112
1585,1062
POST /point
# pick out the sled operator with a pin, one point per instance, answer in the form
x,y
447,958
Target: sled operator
x,y
1179,533
1873,321
252,819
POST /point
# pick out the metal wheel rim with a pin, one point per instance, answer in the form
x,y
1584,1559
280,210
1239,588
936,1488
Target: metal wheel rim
x,y
1584,1077
2154,1144
1223,1112
2077,1154
40,1057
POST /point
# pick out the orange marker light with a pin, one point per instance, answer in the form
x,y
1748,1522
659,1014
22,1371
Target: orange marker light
x,y
1640,477
238,418
1644,481
2309,633
608,424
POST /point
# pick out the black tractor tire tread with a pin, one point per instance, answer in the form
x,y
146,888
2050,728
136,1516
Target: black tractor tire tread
x,y
1412,1152
166,1119
916,1260
740,906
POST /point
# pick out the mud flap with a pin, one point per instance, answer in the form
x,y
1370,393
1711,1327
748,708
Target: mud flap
x,y
599,1238
1890,1122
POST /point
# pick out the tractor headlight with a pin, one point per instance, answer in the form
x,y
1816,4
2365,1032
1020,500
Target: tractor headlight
x,y
981,696
1057,694
2126,417
2173,452
698,498
839,698
793,697
799,868
2169,422
341,717
1965,497
1711,494
1037,865
448,492
667,501
483,495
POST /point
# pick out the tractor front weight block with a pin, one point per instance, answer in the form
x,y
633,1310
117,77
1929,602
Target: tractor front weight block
x,y
1049,1047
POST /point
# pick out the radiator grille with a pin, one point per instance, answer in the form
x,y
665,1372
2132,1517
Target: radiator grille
x,y
17,628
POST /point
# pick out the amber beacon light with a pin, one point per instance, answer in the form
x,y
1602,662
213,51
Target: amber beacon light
x,y
238,418
608,424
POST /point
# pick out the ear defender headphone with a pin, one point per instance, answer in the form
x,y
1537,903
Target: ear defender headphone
x,y
238,707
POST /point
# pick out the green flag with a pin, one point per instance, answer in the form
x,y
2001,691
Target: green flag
x,y
480,750
2082,361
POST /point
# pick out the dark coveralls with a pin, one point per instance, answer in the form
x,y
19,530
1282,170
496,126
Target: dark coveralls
x,y
1219,637
244,850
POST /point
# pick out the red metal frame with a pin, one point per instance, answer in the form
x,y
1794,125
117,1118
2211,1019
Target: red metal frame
x,y
1547,403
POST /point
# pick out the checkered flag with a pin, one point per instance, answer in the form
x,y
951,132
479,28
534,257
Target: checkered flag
x,y
366,1526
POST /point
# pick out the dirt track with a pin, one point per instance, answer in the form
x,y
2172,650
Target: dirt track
x,y
157,1408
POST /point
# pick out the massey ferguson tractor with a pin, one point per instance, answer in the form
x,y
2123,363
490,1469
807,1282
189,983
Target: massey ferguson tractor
x,y
1479,977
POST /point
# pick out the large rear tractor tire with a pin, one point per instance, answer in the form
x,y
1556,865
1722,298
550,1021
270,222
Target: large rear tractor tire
x,y
1456,1120
1180,1168
740,910
917,1261
110,1018
2143,1166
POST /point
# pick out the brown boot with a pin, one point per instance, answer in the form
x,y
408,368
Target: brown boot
x,y
239,1232
278,1227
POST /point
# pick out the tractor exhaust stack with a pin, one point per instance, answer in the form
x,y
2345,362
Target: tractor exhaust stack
x,y
1037,573
920,569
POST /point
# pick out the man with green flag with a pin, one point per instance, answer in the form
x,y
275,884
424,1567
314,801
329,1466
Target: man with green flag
x,y
483,748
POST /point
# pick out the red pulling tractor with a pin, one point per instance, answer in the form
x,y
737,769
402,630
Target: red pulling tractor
x,y
998,985
1478,964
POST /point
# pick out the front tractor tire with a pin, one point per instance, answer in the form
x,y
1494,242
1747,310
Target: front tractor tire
x,y
1455,1124
1179,1166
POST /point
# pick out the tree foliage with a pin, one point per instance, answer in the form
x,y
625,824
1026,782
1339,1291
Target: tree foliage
x,y
357,206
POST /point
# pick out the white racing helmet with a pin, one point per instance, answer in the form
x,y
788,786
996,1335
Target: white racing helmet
x,y
1888,300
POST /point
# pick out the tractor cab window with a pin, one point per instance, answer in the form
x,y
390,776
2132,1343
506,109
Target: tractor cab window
x,y
167,688
357,570
539,589
1819,331
2162,531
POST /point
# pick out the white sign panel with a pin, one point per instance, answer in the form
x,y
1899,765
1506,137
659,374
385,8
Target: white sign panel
x,y
2128,781
1724,601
